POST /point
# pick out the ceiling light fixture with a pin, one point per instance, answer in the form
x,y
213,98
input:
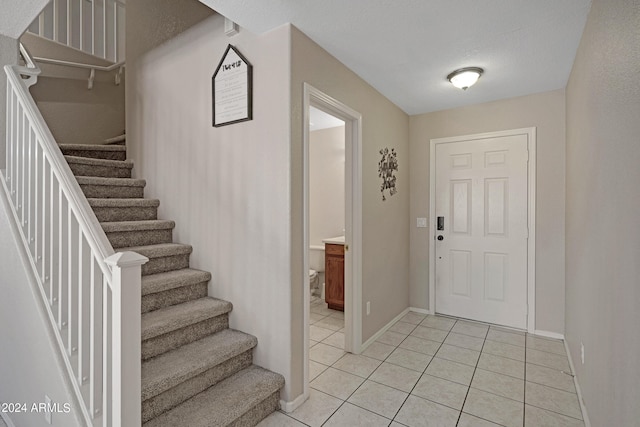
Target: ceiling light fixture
x,y
464,78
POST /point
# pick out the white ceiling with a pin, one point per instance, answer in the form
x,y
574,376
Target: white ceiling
x,y
406,48
318,120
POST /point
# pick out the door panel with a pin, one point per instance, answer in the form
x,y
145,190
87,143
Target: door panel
x,y
481,261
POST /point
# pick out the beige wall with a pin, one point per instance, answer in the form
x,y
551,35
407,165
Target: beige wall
x,y
326,184
8,56
385,225
227,188
545,111
603,207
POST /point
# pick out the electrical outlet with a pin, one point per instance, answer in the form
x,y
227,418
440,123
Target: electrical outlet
x,y
421,222
582,352
47,412
368,307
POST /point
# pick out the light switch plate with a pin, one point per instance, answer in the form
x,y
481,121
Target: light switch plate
x,y
421,222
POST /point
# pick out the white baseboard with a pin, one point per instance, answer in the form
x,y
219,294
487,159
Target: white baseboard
x,y
383,330
419,310
548,334
583,407
7,420
294,404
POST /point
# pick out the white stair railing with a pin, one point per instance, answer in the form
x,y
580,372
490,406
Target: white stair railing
x,y
92,295
92,26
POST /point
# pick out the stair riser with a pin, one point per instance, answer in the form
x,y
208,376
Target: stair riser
x,y
79,169
112,192
95,154
162,264
123,239
126,214
172,340
171,398
259,412
174,296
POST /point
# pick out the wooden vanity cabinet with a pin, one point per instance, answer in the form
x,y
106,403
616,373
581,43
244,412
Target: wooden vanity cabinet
x,y
334,276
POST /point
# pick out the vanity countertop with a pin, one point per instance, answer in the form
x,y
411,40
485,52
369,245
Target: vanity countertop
x,y
334,240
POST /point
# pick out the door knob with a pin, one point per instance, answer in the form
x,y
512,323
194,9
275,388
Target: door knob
x,y
440,237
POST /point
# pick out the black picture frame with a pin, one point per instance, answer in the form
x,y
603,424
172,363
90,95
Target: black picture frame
x,y
235,93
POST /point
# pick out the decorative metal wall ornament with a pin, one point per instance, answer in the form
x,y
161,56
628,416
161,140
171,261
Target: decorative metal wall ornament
x,y
387,167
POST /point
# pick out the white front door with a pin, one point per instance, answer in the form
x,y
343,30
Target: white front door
x,y
481,229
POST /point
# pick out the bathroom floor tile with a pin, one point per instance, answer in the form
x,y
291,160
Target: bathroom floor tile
x,y
441,391
409,359
378,398
552,399
316,333
315,369
458,354
506,337
317,409
478,330
420,345
465,341
536,417
278,419
335,340
438,322
402,328
329,322
391,338
546,344
351,415
501,365
429,334
494,408
357,364
336,383
467,420
379,351
550,377
504,350
452,371
395,376
413,318
502,385
550,360
314,317
418,412
325,354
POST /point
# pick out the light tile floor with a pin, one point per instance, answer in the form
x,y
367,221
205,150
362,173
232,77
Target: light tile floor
x,y
434,371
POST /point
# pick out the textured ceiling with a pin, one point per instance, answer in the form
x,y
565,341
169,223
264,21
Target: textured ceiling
x,y
406,48
16,15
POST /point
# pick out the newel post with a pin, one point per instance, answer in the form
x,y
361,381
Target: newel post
x,y
126,339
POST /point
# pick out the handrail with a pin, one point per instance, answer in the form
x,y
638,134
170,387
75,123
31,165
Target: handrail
x,y
118,65
90,293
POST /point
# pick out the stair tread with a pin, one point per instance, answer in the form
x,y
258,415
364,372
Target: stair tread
x,y
225,402
139,225
122,203
160,282
100,180
159,250
125,164
168,319
170,369
93,147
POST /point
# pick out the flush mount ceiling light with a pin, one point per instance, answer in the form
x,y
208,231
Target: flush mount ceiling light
x,y
464,78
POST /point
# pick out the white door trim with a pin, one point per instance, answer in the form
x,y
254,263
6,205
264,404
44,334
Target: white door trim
x,y
531,242
353,219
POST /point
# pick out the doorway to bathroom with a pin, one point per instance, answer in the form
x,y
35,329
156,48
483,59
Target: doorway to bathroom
x,y
332,224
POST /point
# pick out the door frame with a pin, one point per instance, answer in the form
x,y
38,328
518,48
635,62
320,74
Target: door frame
x,y
353,219
531,214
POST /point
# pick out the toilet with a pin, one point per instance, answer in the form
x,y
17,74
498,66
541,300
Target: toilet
x,y
316,269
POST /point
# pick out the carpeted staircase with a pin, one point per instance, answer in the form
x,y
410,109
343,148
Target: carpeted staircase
x,y
195,370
